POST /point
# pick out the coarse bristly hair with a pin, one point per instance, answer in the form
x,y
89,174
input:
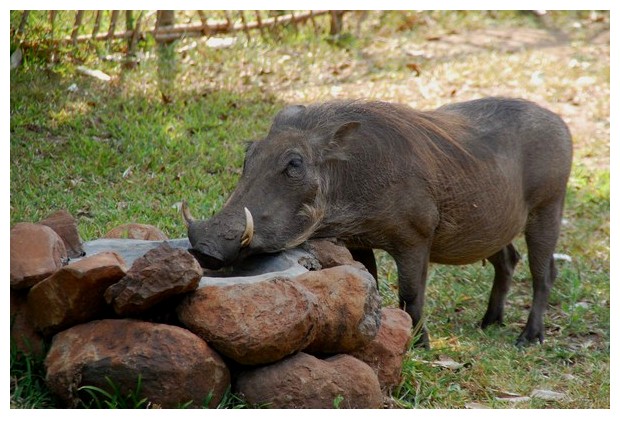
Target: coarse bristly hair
x,y
392,139
433,138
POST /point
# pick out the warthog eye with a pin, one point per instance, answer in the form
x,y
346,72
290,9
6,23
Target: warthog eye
x,y
295,163
295,167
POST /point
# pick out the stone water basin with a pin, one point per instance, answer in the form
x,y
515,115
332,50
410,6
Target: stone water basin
x,y
289,263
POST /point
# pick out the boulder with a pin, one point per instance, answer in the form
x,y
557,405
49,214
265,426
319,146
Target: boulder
x,y
265,266
24,337
288,263
159,274
74,294
130,249
385,354
349,308
330,254
136,231
304,381
254,323
65,226
36,253
171,366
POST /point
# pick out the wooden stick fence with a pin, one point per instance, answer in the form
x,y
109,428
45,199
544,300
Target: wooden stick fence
x,y
164,32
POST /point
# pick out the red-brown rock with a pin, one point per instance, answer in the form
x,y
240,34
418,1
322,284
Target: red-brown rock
x,y
330,254
137,231
74,294
254,323
174,365
385,354
24,337
36,253
65,226
349,308
159,274
304,381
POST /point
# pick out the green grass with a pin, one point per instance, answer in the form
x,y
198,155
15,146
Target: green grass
x,y
111,397
115,152
28,389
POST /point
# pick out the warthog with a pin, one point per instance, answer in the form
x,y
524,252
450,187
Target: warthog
x,y
454,185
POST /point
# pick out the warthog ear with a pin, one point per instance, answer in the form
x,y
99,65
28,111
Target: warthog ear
x,y
345,129
335,149
287,116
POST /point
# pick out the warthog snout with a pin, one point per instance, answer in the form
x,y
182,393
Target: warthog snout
x,y
217,242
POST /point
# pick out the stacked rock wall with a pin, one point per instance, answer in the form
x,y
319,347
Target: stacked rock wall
x,y
290,339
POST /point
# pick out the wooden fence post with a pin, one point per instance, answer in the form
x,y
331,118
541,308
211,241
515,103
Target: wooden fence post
x,y
165,18
53,50
135,33
112,26
245,25
97,24
260,23
22,23
336,22
129,20
167,64
76,26
204,22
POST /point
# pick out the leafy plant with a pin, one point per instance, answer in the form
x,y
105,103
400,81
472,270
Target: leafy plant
x,y
337,401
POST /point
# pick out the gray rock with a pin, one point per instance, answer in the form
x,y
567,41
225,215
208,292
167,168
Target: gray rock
x,y
128,249
137,231
286,264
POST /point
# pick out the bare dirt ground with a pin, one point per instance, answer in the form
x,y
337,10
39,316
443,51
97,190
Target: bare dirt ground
x,y
564,71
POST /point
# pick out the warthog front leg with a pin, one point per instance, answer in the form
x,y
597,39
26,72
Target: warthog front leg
x,y
412,272
367,258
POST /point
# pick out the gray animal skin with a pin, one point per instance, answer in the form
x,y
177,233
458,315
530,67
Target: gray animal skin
x,y
454,185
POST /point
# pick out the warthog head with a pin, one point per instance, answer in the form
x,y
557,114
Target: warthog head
x,y
280,199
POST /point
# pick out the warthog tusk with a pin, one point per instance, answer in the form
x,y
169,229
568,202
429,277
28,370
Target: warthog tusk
x,y
187,216
246,238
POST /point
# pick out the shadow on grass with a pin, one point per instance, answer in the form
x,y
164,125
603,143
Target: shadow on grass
x,y
110,155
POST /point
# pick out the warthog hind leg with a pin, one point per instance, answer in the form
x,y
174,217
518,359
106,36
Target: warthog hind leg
x,y
504,263
541,235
